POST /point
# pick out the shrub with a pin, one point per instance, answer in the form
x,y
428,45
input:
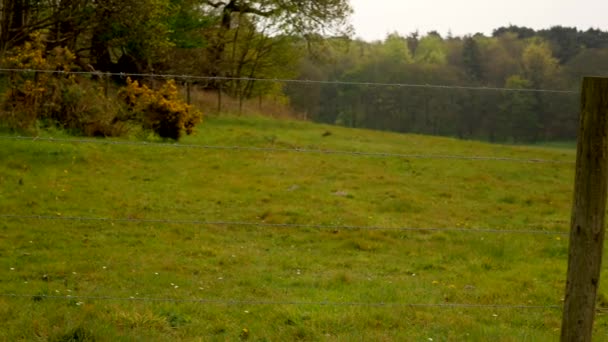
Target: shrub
x,y
27,99
83,109
62,100
161,111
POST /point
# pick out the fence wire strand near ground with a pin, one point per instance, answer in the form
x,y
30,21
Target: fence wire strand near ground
x,y
288,150
233,302
278,225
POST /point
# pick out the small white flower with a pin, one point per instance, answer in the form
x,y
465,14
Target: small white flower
x,y
74,273
104,267
220,278
176,286
79,303
156,273
246,311
494,315
12,268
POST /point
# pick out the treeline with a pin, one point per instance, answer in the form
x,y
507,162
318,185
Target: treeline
x,y
517,58
236,41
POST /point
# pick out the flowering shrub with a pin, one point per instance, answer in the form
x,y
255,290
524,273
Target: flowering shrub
x,y
51,97
41,93
161,111
33,95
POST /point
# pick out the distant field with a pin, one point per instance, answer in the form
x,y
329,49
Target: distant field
x,y
134,278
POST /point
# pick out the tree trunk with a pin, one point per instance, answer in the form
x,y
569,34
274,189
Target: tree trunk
x,y
14,18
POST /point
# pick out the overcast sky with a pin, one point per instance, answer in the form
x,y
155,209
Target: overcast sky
x,y
373,19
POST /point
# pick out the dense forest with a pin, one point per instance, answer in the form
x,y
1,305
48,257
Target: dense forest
x,y
507,87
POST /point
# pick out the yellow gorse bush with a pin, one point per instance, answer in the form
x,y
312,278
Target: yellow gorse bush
x,y
162,110
33,95
39,94
32,56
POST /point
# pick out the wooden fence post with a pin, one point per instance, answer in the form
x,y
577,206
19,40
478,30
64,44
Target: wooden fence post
x,y
588,212
219,98
106,84
188,96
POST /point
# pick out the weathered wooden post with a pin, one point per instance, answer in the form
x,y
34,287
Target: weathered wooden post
x,y
588,212
219,98
188,96
106,84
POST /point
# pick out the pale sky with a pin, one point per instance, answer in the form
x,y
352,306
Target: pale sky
x,y
373,19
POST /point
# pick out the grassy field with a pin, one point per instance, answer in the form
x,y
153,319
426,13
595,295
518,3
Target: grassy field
x,y
280,283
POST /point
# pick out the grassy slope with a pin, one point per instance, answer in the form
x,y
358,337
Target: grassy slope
x,y
184,261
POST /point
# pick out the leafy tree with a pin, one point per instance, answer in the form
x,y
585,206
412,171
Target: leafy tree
x,y
520,110
131,35
187,24
521,32
471,56
291,17
564,42
413,39
594,39
65,21
539,65
395,48
253,54
500,58
431,50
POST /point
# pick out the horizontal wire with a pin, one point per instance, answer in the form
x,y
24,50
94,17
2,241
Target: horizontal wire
x,y
224,78
277,225
276,302
289,150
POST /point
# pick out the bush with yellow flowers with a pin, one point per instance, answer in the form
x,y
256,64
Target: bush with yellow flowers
x,y
33,94
161,111
44,92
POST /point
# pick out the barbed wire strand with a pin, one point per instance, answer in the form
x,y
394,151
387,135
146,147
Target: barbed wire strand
x,y
277,302
278,80
289,150
277,225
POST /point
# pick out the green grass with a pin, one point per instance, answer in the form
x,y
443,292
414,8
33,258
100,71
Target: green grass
x,y
279,264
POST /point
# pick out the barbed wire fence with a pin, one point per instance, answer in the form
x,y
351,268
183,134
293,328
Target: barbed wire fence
x,y
280,80
288,150
255,149
343,100
444,109
286,226
231,302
